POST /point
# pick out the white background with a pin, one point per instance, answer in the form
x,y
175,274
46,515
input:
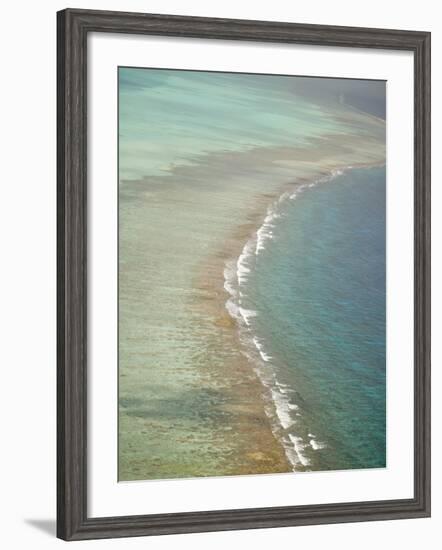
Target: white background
x,y
27,219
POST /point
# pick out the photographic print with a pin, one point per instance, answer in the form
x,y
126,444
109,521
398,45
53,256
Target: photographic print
x,y
239,265
252,282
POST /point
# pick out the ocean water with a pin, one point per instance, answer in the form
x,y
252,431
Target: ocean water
x,y
173,118
231,381
312,302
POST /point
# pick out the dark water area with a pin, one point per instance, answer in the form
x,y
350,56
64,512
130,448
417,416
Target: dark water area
x,y
365,95
318,289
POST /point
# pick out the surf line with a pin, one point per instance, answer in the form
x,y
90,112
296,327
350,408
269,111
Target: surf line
x,y
284,413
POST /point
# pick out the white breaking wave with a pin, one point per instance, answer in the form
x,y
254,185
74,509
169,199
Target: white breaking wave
x,y
229,277
265,357
282,410
265,232
242,269
299,446
247,314
317,445
236,275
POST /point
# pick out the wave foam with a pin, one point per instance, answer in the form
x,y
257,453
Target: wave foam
x,y
299,446
265,232
242,269
282,409
247,314
264,356
236,275
317,445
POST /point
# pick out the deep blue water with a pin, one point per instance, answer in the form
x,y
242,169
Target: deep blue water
x,y
319,292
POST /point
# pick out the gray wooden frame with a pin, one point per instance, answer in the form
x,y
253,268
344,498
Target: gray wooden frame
x,y
73,27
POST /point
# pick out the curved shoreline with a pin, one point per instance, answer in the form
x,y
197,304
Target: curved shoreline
x,y
197,407
277,405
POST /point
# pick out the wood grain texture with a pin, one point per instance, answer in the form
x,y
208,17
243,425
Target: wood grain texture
x,y
72,28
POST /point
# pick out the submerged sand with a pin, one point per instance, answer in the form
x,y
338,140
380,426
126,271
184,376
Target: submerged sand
x,y
191,402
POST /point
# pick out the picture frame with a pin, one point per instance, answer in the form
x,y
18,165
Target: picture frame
x,y
73,28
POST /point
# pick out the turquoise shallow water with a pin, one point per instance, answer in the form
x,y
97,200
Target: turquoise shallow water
x,y
201,157
317,288
170,118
